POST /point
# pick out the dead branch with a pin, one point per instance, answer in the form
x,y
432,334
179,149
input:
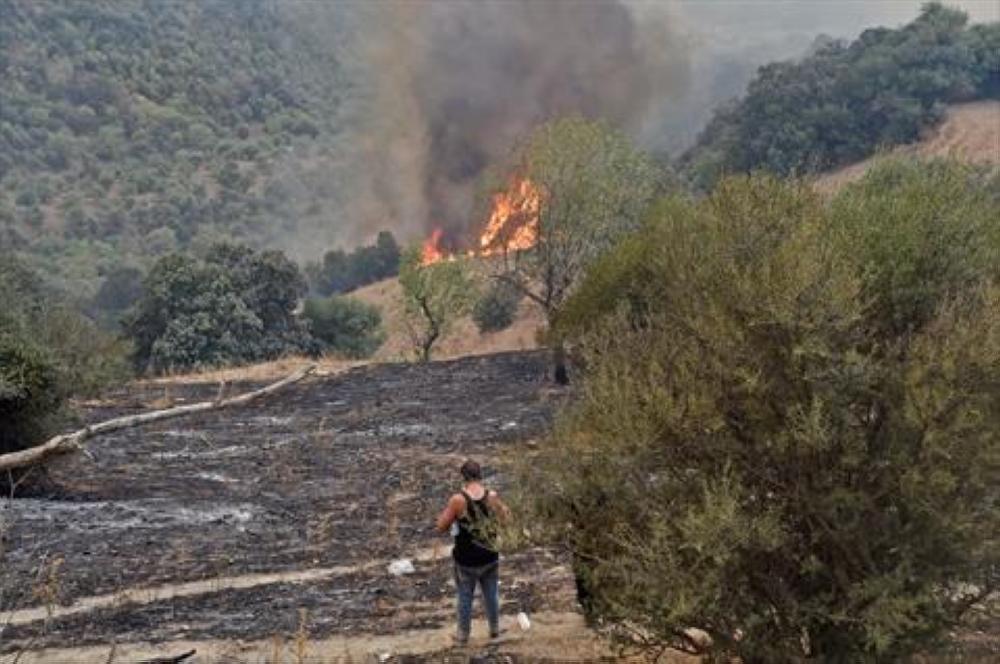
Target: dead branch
x,y
71,442
169,660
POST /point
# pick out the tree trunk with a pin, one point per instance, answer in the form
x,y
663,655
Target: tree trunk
x,y
560,372
433,331
71,442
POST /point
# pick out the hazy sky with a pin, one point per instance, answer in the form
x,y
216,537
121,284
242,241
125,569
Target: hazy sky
x,y
787,25
838,17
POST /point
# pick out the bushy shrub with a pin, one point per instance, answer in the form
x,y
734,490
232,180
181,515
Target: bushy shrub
x,y
235,305
48,351
31,391
496,309
787,432
342,272
345,326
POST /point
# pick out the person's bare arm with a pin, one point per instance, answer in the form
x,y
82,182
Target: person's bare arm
x,y
452,511
498,507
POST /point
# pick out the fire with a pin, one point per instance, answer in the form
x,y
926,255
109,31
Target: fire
x,y
432,251
512,226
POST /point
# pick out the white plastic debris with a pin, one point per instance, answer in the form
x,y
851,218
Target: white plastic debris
x,y
523,621
384,656
401,567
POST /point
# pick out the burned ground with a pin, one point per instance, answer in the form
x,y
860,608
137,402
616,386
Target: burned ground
x,y
229,524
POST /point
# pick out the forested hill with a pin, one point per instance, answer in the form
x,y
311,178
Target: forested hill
x,y
846,100
130,128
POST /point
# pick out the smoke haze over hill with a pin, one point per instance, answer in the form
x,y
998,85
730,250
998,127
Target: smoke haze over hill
x,y
449,87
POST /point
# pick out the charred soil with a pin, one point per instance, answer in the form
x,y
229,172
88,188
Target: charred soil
x,y
273,519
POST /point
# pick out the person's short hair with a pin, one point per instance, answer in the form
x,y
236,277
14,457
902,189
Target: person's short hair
x,y
471,471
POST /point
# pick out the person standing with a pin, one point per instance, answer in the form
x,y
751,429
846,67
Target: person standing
x,y
471,516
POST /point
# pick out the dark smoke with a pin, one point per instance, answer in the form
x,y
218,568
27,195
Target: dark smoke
x,y
436,90
460,82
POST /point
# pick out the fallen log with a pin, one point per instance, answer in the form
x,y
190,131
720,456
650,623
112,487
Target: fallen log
x,y
71,442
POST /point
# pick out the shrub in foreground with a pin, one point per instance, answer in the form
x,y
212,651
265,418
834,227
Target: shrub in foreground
x,y
787,433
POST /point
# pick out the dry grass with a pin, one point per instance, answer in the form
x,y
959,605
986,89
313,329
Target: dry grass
x,y
463,339
969,133
262,372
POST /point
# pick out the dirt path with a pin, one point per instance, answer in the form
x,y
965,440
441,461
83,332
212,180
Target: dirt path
x,y
553,636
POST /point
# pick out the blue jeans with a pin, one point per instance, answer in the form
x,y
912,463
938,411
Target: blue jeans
x,y
488,578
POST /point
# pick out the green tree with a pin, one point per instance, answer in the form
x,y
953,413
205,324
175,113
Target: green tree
x,y
594,187
434,296
234,306
345,326
787,433
342,272
31,392
48,352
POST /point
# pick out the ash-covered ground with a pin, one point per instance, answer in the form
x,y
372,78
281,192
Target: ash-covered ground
x,y
273,518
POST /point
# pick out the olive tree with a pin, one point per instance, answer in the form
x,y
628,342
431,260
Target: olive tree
x,y
594,186
434,296
785,445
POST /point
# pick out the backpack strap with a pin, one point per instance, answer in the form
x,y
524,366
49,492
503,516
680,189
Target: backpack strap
x,y
472,509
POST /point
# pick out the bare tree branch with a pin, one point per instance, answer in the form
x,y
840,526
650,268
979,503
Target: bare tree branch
x,y
71,442
170,660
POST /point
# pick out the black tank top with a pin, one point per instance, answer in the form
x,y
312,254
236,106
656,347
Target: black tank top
x,y
472,543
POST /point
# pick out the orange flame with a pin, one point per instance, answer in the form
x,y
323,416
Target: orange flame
x,y
432,252
512,226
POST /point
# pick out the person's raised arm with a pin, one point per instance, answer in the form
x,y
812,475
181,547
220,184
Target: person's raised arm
x,y
449,514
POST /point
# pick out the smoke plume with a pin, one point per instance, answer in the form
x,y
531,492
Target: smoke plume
x,y
455,84
434,91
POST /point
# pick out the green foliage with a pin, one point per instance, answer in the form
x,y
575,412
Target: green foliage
x,y
938,233
48,351
787,433
341,272
121,288
30,391
434,296
235,305
496,308
846,100
156,117
594,188
345,326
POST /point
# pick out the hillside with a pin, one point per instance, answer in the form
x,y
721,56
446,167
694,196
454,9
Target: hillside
x,y
130,129
846,100
463,339
969,133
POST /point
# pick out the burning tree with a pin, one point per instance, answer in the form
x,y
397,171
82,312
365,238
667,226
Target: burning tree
x,y
578,186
